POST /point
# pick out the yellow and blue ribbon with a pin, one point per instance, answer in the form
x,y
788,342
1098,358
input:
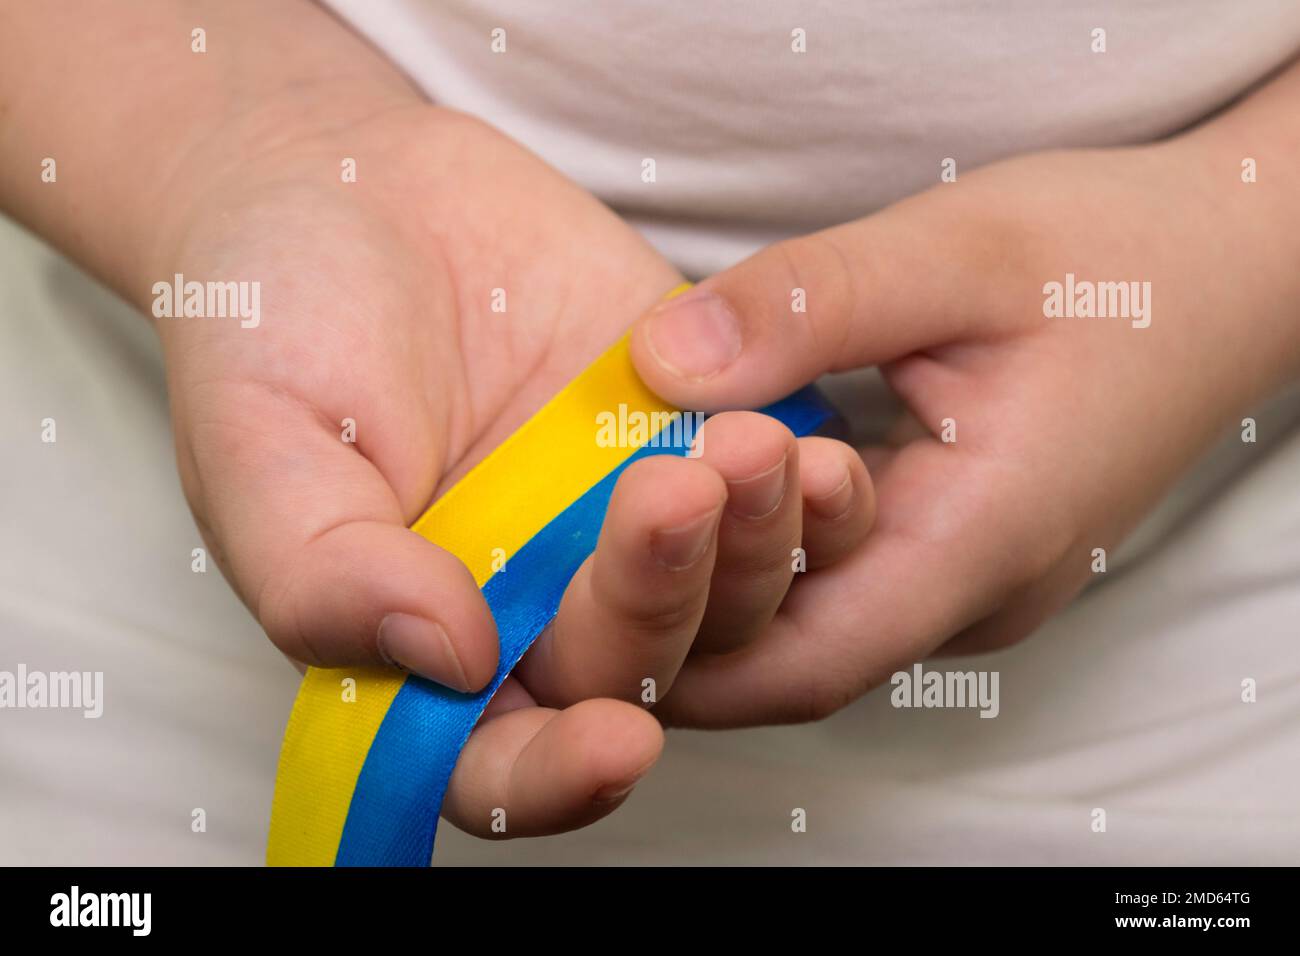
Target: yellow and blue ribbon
x,y
368,753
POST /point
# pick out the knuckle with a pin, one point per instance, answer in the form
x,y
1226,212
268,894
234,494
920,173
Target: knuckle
x,y
651,619
819,261
276,610
823,701
822,695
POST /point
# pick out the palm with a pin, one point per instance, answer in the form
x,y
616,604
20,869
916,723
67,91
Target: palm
x,y
381,298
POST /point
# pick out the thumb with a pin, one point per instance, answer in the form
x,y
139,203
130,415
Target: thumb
x,y
860,294
314,539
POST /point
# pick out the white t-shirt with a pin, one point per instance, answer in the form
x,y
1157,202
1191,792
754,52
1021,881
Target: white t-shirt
x,y
753,142
1129,702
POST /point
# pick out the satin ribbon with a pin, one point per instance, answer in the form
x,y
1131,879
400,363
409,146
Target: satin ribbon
x,y
367,753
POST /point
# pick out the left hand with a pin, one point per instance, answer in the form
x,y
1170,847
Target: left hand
x,y
379,310
1067,429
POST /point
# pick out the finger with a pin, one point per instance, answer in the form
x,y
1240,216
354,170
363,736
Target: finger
x,y
632,610
1023,612
510,695
758,459
928,568
536,771
839,502
859,294
313,538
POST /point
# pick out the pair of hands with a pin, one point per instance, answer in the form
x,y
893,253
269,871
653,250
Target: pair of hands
x,y
377,300
376,304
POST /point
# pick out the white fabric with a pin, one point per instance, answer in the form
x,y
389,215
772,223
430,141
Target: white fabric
x,y
753,142
1129,701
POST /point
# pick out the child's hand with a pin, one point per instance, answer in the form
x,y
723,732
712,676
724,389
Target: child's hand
x,y
227,165
377,309
1066,429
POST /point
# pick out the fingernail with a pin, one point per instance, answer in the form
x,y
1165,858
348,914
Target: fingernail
x,y
759,496
679,548
834,504
613,792
422,647
694,336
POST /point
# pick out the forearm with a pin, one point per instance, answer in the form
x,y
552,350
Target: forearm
x,y
1253,225
137,122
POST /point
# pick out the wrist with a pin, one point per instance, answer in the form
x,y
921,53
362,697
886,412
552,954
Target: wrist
x,y
117,117
256,156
